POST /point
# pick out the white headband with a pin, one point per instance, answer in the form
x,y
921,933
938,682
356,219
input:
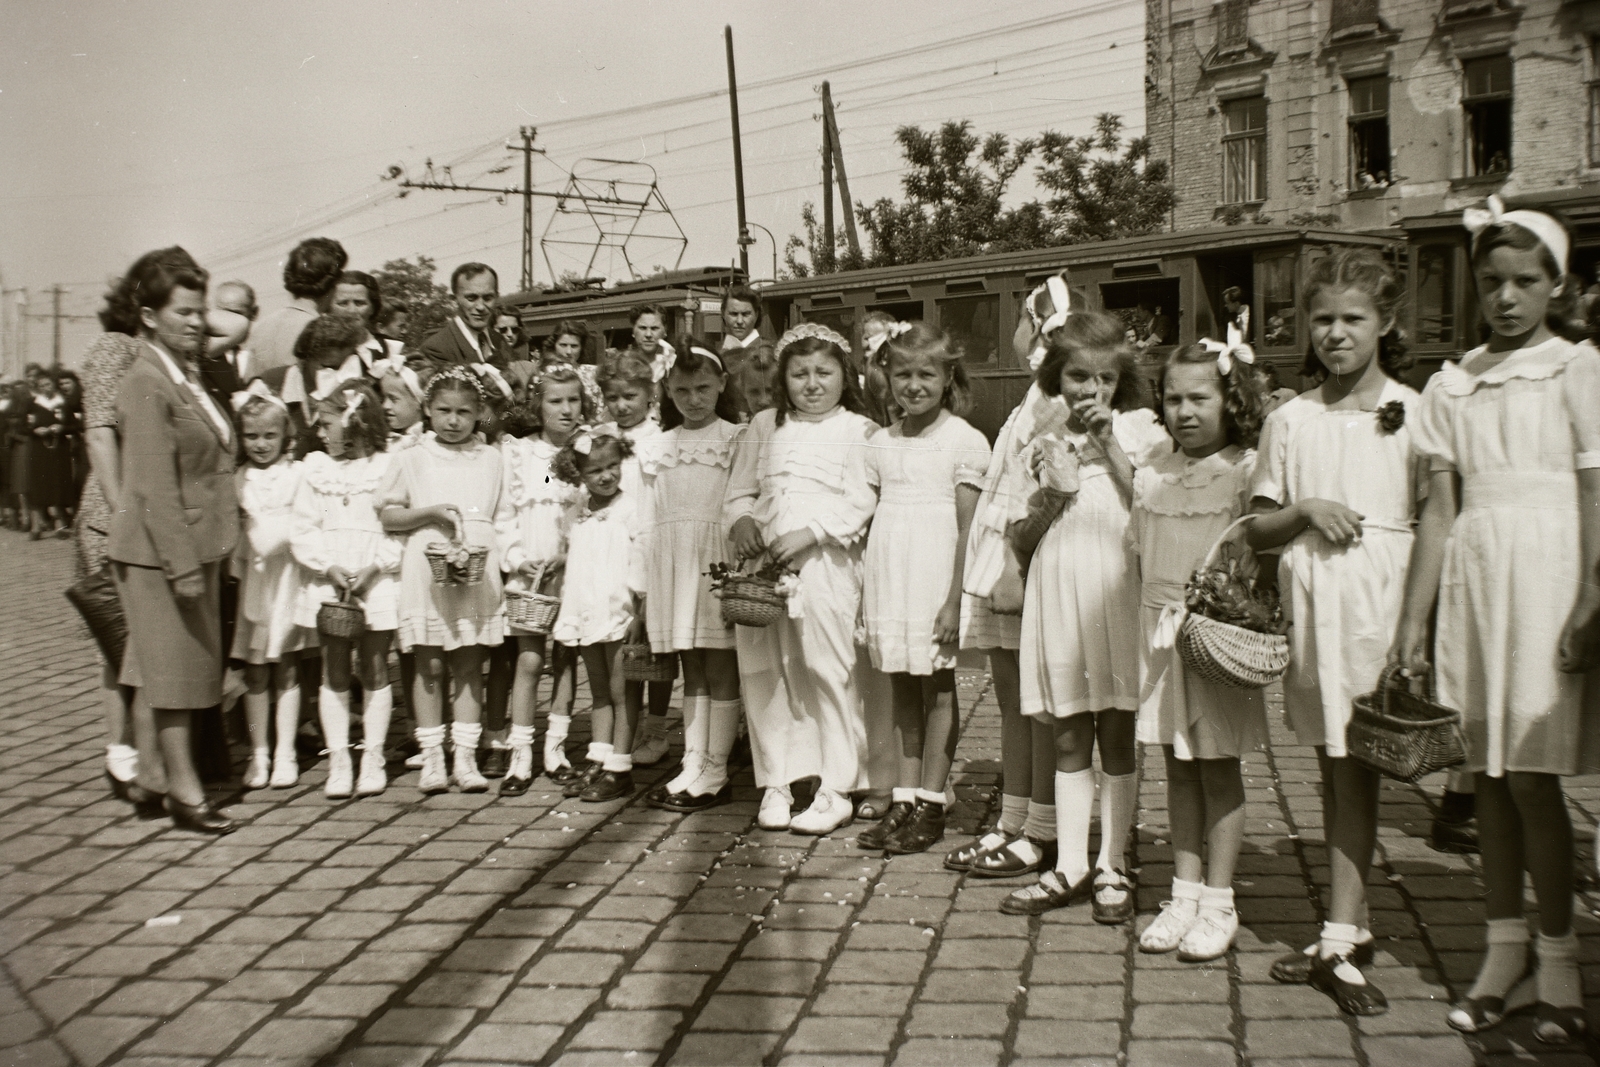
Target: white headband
x,y
1234,349
1542,226
705,353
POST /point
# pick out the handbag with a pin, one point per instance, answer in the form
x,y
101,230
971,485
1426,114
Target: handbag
x,y
1401,734
95,597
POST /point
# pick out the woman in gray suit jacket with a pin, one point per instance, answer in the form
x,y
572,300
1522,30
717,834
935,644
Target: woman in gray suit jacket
x,y
175,524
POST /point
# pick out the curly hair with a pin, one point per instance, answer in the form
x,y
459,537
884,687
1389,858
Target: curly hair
x,y
568,463
689,362
849,397
313,268
367,424
558,374
924,340
1562,312
1365,271
623,365
149,284
1241,393
329,332
1092,331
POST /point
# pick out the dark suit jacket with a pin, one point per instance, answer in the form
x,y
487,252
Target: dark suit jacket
x,y
445,347
178,508
221,380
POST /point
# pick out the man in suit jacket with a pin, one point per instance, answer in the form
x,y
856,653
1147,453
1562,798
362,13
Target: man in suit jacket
x,y
467,338
226,367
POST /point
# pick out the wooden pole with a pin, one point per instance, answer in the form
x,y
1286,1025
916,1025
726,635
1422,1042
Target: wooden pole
x,y
738,157
827,193
838,161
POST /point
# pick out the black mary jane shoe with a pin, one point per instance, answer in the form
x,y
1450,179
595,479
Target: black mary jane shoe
x,y
119,788
921,832
147,804
564,774
513,786
1474,1015
201,817
961,858
1116,912
607,785
1003,862
1295,967
692,802
495,763
581,781
875,837
1560,1027
1365,999
1051,892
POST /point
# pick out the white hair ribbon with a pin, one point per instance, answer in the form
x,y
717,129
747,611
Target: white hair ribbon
x,y
1055,287
583,441
329,379
1542,226
407,376
486,370
706,353
357,398
1234,349
661,365
257,390
875,343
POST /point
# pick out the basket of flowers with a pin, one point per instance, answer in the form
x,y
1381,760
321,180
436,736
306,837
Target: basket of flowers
x,y
756,598
456,563
639,664
1234,633
529,609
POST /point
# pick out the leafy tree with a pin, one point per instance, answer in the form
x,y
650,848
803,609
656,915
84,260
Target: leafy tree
x,y
412,282
818,259
1103,189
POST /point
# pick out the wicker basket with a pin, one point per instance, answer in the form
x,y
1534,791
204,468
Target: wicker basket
x,y
446,573
751,601
342,618
1401,734
639,664
1226,654
530,609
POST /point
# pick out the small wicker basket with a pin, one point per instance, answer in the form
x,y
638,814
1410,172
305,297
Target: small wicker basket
x,y
1401,734
1226,654
639,664
447,573
342,618
530,609
748,600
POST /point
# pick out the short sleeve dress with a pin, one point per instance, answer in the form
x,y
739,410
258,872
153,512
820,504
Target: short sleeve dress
x,y
911,549
270,579
336,524
603,572
107,360
1180,507
688,472
538,510
467,475
1507,423
1343,602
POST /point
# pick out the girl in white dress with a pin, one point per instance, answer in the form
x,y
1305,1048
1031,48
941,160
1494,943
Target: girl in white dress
x,y
1337,489
265,635
1080,621
402,404
540,511
1023,840
1512,565
688,481
599,601
341,545
927,469
1182,502
631,386
799,494
448,488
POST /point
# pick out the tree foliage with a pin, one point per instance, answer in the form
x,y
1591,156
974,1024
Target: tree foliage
x,y
956,187
412,282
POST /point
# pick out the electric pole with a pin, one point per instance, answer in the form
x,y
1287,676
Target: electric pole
x,y
834,154
745,240
55,321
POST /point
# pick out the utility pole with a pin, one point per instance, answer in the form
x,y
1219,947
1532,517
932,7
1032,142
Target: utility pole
x,y
831,132
745,240
528,134
55,317
827,189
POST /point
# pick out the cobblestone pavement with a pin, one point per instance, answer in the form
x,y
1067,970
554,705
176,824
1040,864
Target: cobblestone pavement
x,y
461,929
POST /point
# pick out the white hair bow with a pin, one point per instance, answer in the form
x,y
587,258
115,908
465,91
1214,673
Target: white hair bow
x,y
357,398
662,364
329,379
583,440
257,390
1061,308
1234,349
876,342
1542,226
396,368
489,372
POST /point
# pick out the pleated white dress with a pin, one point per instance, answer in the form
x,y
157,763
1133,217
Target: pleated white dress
x,y
1180,507
1343,602
1512,425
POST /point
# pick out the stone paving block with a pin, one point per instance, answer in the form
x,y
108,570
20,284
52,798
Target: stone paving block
x,y
94,1040
606,936
635,909
318,955
219,962
43,1053
203,1029
297,1038
573,968
696,957
790,945
1300,1037
777,977
506,1043
1409,1017
556,1006
715,1050
152,997
734,1012
1146,1053
63,998
928,1052
1189,985
344,1001
525,922
1072,968
460,989
454,907
418,1026
420,937
1086,1002
959,1020
645,1031
985,954
496,954
658,989
122,961
371,966
1157,1021
843,1033
1417,1052
1274,1000
957,987
1049,1037
851,966
705,928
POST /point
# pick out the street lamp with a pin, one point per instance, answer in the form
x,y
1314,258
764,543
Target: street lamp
x,y
774,240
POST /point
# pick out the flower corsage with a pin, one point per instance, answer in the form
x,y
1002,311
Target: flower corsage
x,y
1391,416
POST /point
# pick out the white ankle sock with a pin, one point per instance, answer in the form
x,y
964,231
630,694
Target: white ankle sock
x,y
466,735
598,751
429,737
618,762
333,708
1119,799
288,721
722,731
1560,983
376,711
555,738
1041,821
1505,959
899,795
123,762
929,796
1218,899
1074,806
521,736
1339,939
1013,814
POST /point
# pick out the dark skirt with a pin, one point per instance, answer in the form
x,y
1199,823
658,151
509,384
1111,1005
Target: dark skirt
x,y
180,639
49,475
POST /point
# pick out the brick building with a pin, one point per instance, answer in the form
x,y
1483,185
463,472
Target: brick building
x,y
1379,115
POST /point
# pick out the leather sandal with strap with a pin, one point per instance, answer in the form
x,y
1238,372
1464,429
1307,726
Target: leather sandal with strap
x,y
1474,1015
1352,999
1049,893
1560,1027
1294,968
1005,862
961,859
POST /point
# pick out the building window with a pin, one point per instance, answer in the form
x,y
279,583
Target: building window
x,y
1233,27
1369,132
1486,105
1275,275
1436,295
1350,18
973,323
1244,150
1594,102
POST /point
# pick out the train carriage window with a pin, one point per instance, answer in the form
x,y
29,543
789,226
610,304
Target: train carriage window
x,y
1275,282
1435,299
973,323
840,320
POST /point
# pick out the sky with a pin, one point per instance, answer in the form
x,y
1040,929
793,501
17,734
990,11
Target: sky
x,y
237,129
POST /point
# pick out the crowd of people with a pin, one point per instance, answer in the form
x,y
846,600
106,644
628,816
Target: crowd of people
x,y
42,459
460,522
